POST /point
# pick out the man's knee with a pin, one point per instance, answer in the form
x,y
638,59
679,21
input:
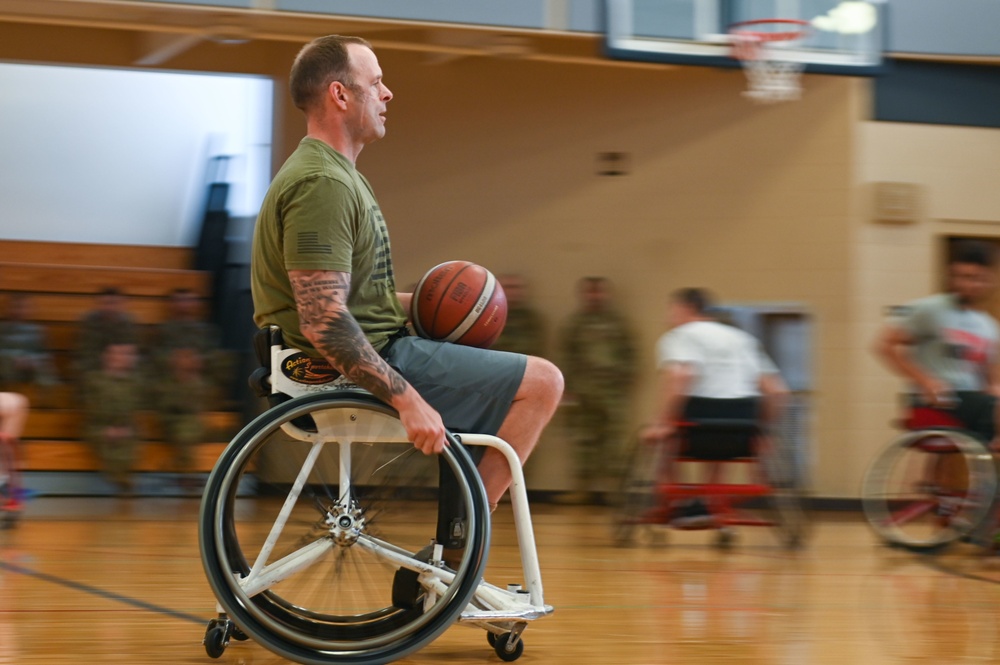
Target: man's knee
x,y
542,381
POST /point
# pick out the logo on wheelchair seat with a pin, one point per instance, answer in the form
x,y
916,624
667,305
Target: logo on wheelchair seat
x,y
305,369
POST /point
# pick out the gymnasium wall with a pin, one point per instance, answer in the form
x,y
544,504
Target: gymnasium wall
x,y
495,160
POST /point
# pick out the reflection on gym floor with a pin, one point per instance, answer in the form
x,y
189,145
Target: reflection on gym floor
x,y
120,581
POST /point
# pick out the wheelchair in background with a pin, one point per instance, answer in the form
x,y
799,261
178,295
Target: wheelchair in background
x,y
652,494
931,486
321,536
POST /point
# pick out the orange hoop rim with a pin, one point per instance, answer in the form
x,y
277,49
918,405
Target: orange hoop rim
x,y
751,40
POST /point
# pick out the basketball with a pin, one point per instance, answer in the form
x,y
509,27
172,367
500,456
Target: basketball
x,y
459,302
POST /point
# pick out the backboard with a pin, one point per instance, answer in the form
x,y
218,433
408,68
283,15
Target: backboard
x,y
845,36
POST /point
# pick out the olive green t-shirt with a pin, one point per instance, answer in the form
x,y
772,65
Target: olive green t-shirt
x,y
321,214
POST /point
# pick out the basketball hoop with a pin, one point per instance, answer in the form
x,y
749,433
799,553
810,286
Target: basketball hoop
x,y
771,78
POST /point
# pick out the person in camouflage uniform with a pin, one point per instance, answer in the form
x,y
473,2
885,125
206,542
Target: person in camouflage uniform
x,y
599,365
24,354
108,323
524,331
186,329
181,403
113,396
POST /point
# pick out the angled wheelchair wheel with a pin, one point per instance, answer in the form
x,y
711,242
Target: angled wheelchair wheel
x,y
637,508
784,507
929,488
315,529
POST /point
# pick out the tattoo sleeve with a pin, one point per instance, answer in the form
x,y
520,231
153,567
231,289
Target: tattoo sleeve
x,y
321,300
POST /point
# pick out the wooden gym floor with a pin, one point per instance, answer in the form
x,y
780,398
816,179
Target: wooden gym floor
x,y
119,581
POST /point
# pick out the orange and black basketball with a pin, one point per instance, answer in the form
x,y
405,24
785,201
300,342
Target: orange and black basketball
x,y
460,302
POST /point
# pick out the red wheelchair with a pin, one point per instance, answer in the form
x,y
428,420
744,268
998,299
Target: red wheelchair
x,y
653,494
931,486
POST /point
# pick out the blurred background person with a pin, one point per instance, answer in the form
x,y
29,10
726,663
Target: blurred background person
x,y
599,363
186,328
524,331
181,403
112,397
710,370
947,345
25,359
109,322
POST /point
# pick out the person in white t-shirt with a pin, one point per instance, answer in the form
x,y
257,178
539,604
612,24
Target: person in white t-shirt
x,y
710,369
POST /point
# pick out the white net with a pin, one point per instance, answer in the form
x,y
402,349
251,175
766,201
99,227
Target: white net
x,y
770,76
773,80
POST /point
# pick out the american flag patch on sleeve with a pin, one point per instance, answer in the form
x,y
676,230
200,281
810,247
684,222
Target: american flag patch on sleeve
x,y
309,244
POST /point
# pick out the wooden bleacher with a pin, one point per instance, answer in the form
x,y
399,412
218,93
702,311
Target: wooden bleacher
x,y
63,281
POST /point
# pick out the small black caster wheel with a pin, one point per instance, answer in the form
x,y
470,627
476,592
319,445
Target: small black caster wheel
x,y
725,539
505,650
215,640
10,519
491,638
238,634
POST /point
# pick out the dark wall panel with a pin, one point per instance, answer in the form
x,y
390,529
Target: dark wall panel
x,y
939,93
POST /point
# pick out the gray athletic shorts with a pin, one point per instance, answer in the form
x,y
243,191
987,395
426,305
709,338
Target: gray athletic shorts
x,y
471,388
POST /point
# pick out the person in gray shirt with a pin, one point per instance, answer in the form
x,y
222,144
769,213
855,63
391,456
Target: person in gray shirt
x,y
947,346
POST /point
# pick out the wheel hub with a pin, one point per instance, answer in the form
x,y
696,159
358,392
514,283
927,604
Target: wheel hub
x,y
346,525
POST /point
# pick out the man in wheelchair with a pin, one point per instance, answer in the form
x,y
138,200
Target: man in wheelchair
x,y
946,346
322,272
710,371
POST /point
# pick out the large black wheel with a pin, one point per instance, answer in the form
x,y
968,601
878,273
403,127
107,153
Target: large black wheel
x,y
313,515
929,488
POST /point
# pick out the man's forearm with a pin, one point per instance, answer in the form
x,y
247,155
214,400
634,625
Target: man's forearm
x,y
331,328
340,339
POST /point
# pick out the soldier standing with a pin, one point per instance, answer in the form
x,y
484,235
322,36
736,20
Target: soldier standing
x,y
524,331
599,367
24,354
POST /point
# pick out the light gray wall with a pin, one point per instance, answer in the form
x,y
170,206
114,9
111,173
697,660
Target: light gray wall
x,y
955,27
119,156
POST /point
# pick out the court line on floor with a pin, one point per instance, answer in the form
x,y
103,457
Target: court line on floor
x,y
101,593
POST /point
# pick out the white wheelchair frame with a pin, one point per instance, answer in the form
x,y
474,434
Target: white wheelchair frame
x,y
498,610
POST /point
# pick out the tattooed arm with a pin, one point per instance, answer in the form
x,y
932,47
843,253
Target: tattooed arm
x,y
321,299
